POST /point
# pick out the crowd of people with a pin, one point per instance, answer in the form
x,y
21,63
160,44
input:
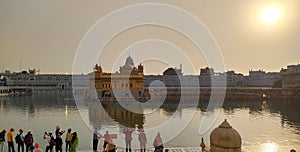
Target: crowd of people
x,y
26,142
109,146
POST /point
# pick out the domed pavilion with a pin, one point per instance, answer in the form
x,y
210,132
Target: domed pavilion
x,y
225,139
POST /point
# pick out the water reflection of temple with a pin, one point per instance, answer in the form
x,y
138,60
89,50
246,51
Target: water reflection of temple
x,y
104,114
98,116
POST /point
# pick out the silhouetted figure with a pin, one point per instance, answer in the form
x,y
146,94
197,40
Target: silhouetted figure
x,y
20,140
28,140
68,140
2,140
96,137
58,143
74,142
57,131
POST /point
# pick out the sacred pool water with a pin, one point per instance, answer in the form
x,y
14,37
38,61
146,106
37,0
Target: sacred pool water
x,y
264,125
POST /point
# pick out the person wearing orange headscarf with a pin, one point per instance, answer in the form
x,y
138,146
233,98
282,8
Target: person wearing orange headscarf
x,y
37,148
10,140
57,131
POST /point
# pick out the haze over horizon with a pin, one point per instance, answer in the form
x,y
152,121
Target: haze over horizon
x,y
250,34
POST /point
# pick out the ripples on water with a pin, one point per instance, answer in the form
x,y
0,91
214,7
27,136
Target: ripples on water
x,y
263,125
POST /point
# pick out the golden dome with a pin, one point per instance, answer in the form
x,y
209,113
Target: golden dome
x,y
225,138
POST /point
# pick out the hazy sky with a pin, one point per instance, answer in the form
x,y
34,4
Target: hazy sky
x,y
45,35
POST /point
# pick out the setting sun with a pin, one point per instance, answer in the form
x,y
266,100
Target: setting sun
x,y
271,14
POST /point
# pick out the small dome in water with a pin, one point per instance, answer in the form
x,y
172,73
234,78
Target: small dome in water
x,y
225,139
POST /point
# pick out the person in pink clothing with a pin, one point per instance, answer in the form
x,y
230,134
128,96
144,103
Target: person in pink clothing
x,y
158,143
106,140
128,138
37,148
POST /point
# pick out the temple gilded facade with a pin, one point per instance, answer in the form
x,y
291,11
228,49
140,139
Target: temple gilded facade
x,y
129,80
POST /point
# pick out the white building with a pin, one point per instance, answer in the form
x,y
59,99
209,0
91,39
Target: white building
x,y
235,79
206,76
291,76
34,80
262,79
232,79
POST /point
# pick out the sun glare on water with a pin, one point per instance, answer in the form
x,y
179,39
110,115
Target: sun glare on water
x,y
269,147
271,14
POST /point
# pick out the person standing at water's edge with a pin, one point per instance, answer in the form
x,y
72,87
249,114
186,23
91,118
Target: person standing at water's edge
x,y
58,143
57,131
68,139
106,140
74,142
143,140
10,140
28,140
2,140
20,140
96,137
128,138
158,143
50,139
